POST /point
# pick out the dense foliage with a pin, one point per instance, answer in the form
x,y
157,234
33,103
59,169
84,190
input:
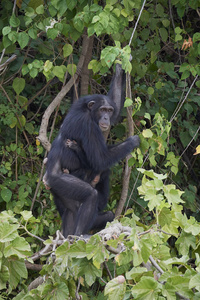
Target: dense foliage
x,y
42,46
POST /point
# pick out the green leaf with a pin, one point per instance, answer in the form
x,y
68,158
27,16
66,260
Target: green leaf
x,y
195,282
128,102
40,10
165,217
23,39
184,242
147,133
13,35
196,37
90,272
150,91
185,75
26,214
6,30
19,247
158,85
116,288
71,68
78,250
172,194
14,21
48,66
32,33
4,277
135,272
17,270
33,72
52,33
163,34
159,10
166,22
67,50
71,4
146,289
18,85
8,232
6,194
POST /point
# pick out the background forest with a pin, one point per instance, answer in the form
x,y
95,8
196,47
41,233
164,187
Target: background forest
x,y
52,52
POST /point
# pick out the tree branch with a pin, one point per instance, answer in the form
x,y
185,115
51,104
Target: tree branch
x,y
45,119
127,171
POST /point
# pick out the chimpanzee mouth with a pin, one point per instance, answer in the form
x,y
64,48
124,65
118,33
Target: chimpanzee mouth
x,y
103,127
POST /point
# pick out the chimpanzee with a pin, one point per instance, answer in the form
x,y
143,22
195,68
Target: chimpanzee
x,y
79,175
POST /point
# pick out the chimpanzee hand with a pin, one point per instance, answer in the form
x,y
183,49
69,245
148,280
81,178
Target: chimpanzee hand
x,y
135,141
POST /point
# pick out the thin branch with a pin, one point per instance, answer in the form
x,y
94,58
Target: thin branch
x,y
136,24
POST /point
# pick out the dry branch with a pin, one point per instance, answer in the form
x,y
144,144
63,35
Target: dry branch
x,y
45,119
127,170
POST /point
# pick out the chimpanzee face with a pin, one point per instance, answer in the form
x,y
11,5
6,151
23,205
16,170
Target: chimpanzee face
x,y
103,112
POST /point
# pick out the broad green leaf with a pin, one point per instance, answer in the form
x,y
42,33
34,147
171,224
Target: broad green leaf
x,y
181,283
71,68
165,217
32,33
6,30
13,35
8,232
26,214
48,66
18,85
6,194
19,247
150,91
146,289
158,85
4,277
67,50
163,34
6,41
172,194
166,22
40,10
17,270
128,102
14,21
195,282
185,75
159,10
147,133
52,33
87,269
135,272
23,39
78,250
116,288
71,4
184,242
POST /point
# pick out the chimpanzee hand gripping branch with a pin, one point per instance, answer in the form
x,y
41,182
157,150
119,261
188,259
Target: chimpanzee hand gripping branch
x,y
77,170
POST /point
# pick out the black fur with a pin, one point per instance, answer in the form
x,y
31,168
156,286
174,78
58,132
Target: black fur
x,y
79,204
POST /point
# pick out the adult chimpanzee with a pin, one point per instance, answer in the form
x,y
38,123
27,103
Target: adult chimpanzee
x,y
79,175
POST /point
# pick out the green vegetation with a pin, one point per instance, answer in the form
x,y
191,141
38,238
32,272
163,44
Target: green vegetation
x,y
152,250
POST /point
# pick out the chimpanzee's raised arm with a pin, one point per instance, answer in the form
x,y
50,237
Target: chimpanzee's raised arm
x,y
117,91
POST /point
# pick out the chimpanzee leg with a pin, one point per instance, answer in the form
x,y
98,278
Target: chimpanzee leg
x,y
69,219
78,200
87,214
102,219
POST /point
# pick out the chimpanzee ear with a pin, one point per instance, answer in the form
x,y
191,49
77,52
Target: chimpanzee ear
x,y
90,104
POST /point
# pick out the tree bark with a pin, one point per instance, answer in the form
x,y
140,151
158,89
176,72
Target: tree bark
x,y
86,72
45,119
127,171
